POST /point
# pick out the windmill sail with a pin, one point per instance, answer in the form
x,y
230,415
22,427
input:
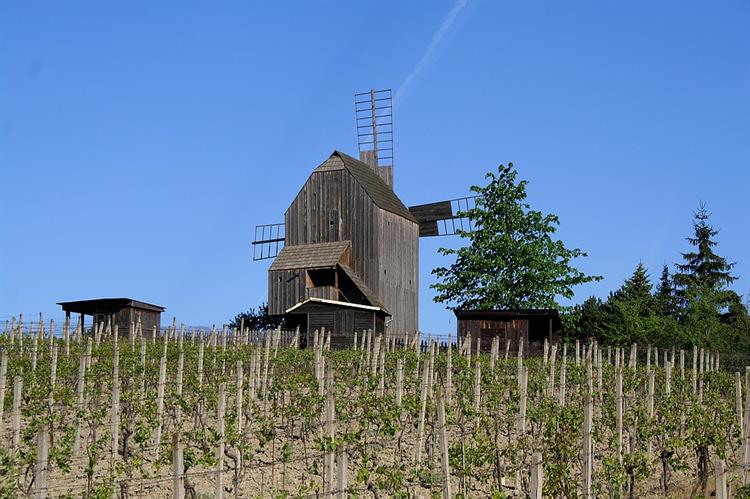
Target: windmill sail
x,y
373,111
268,241
444,218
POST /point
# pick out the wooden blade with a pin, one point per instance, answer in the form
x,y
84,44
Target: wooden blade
x,y
442,217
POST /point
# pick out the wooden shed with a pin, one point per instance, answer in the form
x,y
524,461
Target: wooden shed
x,y
341,319
531,326
120,311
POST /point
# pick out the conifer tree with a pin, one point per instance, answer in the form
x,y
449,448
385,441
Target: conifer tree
x,y
665,294
703,276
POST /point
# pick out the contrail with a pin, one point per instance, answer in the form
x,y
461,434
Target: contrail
x,y
436,38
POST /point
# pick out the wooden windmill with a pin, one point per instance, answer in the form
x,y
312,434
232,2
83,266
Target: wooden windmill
x,y
347,254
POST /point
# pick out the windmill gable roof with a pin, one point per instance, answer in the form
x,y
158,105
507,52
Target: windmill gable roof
x,y
376,188
309,256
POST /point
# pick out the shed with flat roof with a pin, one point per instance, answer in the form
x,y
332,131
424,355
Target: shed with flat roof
x,y
119,311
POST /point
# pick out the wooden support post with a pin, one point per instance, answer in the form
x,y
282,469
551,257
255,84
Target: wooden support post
x,y
619,410
563,373
668,378
40,472
423,408
267,353
381,381
330,427
449,374
238,399
16,414
523,376
343,477
160,401
650,408
721,484
79,400
178,467
115,408
444,461
588,458
142,389
737,403
552,371
219,494
537,476
66,336
3,378
695,370
477,387
399,381
201,354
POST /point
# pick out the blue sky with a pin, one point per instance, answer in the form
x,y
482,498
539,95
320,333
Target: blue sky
x,y
141,142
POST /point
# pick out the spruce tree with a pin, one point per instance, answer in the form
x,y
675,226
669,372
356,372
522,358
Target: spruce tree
x,y
665,294
704,275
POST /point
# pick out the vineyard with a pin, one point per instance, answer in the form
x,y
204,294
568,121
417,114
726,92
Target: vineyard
x,y
222,413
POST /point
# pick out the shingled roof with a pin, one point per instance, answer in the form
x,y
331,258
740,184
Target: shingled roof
x,y
309,256
369,294
376,188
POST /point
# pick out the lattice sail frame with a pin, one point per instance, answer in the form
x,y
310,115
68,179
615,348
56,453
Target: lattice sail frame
x,y
268,241
373,111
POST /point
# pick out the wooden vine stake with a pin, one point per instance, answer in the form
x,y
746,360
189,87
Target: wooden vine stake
x,y
115,409
3,375
239,398
330,429
588,458
445,464
449,374
160,401
16,415
79,400
552,372
399,381
42,454
523,377
721,484
423,408
563,372
650,405
619,402
178,466
221,406
537,476
343,465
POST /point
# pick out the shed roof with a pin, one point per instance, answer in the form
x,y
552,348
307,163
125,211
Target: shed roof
x,y
106,305
381,194
369,294
344,304
309,256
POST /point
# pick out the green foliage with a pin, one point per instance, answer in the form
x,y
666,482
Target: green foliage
x,y
691,307
512,259
257,319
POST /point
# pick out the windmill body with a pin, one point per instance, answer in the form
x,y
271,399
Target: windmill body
x,y
347,254
349,240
